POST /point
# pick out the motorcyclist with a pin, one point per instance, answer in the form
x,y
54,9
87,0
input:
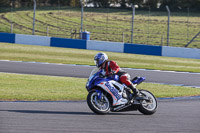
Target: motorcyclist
x,y
111,68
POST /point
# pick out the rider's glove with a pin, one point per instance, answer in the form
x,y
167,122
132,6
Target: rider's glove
x,y
109,74
102,74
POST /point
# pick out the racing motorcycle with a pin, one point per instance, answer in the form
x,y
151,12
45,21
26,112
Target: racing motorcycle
x,y
106,94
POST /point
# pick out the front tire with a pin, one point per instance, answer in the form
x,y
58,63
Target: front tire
x,y
98,106
148,107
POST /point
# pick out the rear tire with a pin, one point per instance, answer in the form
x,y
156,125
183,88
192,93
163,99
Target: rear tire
x,y
101,106
148,107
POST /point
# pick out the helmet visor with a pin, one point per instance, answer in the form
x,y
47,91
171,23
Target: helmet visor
x,y
96,62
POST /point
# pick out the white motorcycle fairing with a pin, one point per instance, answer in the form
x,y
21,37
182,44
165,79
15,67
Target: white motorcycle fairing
x,y
117,95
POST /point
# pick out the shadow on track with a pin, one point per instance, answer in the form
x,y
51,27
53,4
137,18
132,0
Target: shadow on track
x,y
60,112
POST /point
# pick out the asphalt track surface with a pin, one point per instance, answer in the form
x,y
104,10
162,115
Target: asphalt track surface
x,y
172,116
178,116
154,76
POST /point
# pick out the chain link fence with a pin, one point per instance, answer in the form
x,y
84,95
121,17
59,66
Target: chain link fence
x,y
104,24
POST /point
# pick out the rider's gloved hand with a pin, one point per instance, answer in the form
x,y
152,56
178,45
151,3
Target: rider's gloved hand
x,y
114,77
102,74
109,74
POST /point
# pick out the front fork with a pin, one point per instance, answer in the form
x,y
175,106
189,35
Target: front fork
x,y
99,93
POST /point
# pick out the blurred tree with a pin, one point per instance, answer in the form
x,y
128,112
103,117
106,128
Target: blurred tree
x,y
100,3
74,3
123,3
4,3
180,4
139,3
61,2
173,4
153,4
192,4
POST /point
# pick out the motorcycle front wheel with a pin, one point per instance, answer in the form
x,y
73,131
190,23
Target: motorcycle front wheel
x,y
148,107
98,106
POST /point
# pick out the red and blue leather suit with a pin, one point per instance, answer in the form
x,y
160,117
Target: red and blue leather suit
x,y
111,67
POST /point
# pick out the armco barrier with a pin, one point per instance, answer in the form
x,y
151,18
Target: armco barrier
x,y
105,46
32,40
68,43
7,37
181,52
142,49
101,45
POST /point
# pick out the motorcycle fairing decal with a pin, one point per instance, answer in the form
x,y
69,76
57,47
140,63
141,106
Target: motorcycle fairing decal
x,y
113,91
108,88
110,93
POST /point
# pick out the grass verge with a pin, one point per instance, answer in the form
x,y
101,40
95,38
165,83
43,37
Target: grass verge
x,y
36,87
85,57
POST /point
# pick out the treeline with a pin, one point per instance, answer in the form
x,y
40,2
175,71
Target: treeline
x,y
142,4
21,3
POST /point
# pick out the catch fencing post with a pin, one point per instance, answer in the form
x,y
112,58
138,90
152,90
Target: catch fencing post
x,y
11,27
133,15
168,28
122,36
188,15
11,22
34,17
192,39
47,30
81,19
162,39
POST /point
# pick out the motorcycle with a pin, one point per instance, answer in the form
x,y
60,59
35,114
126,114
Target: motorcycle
x,y
106,94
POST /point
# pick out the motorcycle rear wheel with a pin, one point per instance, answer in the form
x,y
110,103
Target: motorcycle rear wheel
x,y
98,106
148,107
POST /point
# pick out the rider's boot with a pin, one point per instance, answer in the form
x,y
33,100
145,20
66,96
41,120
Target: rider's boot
x,y
135,94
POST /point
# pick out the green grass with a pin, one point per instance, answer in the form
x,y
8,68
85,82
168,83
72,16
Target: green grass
x,y
35,88
85,57
107,24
